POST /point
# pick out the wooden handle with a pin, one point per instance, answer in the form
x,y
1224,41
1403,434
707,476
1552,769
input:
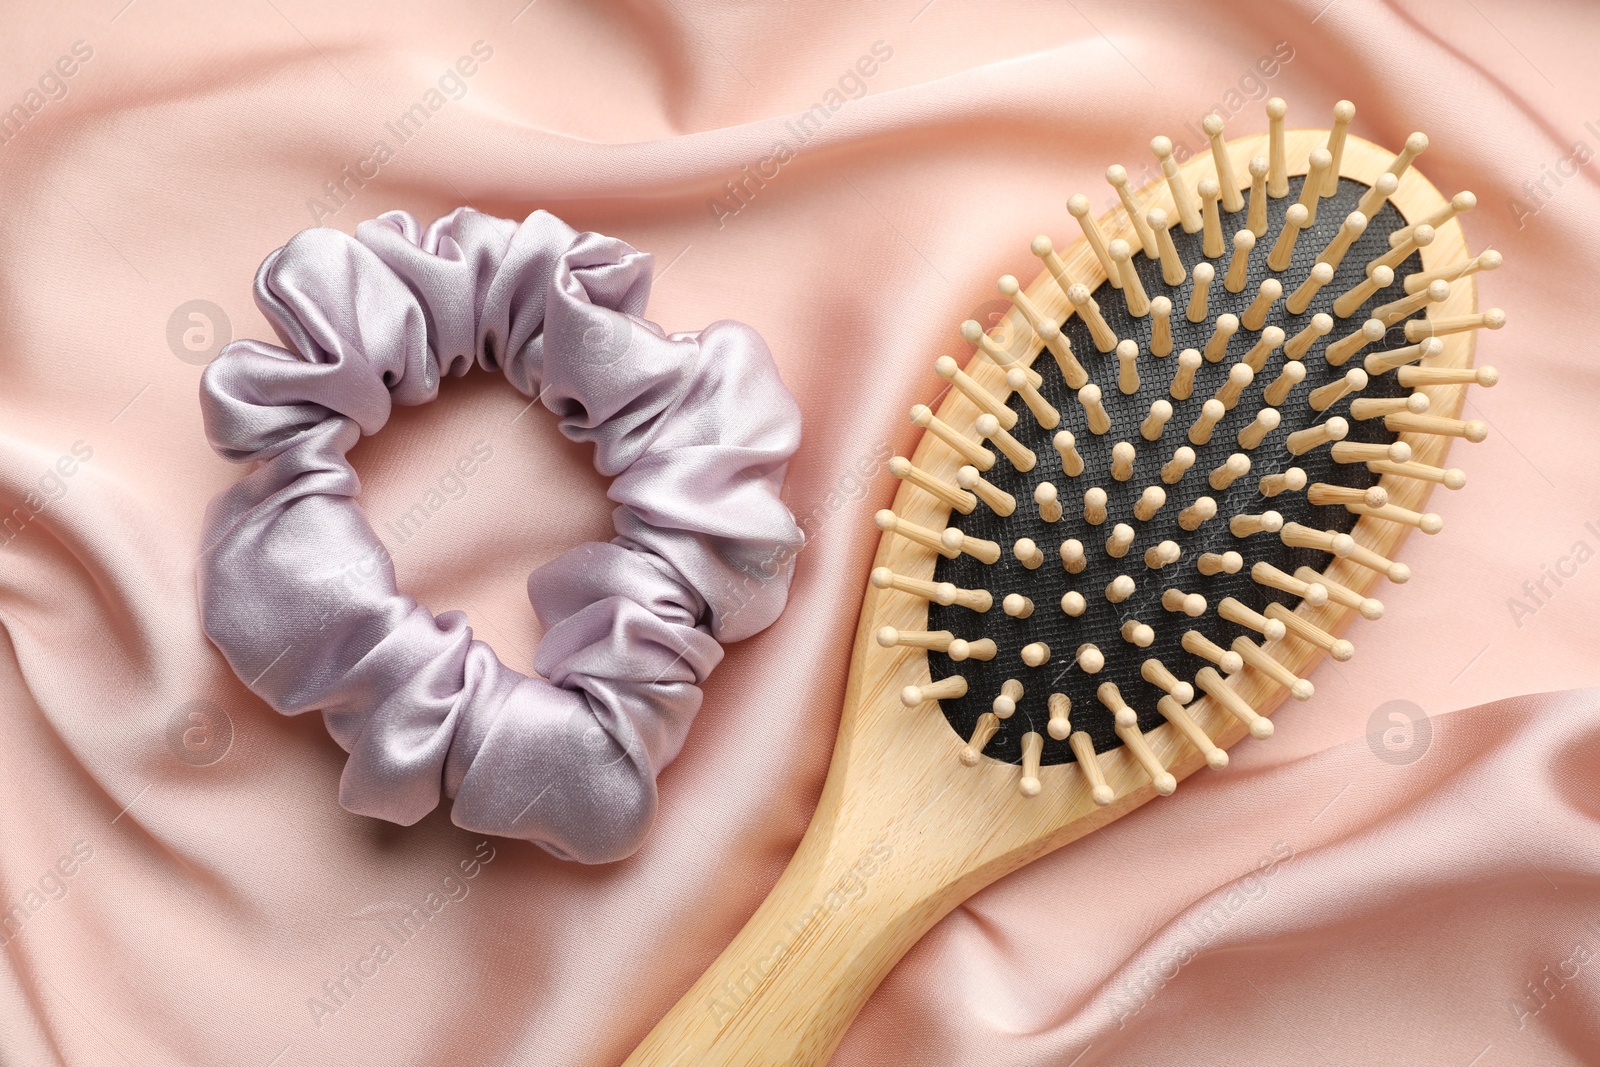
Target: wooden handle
x,y
855,897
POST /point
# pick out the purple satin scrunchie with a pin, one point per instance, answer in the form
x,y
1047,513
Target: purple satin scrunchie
x,y
695,431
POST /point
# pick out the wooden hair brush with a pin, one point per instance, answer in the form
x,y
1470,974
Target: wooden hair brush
x,y
1150,502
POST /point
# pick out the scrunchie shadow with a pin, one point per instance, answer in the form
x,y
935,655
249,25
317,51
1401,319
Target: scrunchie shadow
x,y
695,430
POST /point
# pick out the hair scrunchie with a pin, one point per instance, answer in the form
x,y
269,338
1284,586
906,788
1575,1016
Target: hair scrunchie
x,y
695,430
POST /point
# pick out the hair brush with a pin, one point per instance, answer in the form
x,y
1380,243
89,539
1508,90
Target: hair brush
x,y
1150,502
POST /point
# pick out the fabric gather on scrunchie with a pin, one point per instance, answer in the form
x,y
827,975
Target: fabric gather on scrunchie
x,y
694,429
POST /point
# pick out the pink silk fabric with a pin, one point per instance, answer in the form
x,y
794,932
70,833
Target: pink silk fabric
x,y
178,882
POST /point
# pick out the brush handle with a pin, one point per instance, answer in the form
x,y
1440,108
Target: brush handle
x,y
856,896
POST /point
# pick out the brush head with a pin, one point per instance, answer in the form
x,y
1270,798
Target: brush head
x,y
1215,431
1119,588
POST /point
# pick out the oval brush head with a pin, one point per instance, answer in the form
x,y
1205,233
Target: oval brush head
x,y
1187,452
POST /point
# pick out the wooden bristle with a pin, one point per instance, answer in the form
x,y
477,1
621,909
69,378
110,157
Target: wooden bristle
x,y
1355,224
1162,555
1199,307
1117,546
1127,367
1032,747
1078,208
1083,751
1060,706
1344,112
1066,447
1211,219
1160,778
1111,698
1094,505
1264,573
1232,198
1021,456
1183,380
1459,204
1288,481
1117,176
1339,352
1198,644
982,733
969,450
1155,422
1239,264
1321,399
1236,611
1048,500
1290,376
1173,470
1372,202
936,640
974,334
1044,413
1156,673
951,688
947,369
1217,687
1256,217
1174,712
1255,316
1138,302
1320,162
1377,363
1282,253
1000,502
1379,277
1278,176
1093,409
1045,249
1161,326
1017,606
1259,659
1310,632
1222,333
1415,145
1342,594
1421,237
1028,553
1005,705
1173,271
941,490
1417,329
1488,259
1182,198
938,592
1211,563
